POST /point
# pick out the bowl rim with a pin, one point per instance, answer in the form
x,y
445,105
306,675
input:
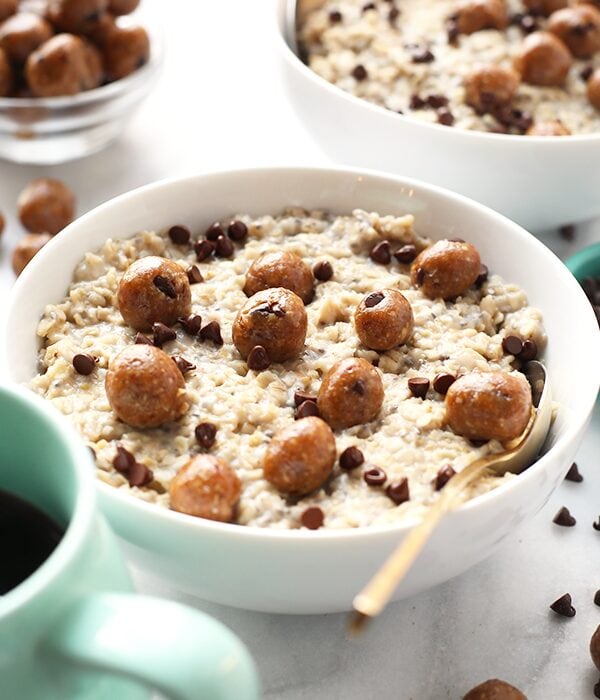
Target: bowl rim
x,y
590,253
175,519
294,61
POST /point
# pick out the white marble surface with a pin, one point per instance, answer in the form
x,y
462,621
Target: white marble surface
x,y
219,104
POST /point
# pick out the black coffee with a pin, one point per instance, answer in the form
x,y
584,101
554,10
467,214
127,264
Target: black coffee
x,y
27,538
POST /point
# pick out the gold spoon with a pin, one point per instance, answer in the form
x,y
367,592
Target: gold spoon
x,y
519,454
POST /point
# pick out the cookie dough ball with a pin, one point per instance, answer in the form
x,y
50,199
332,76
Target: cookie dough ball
x,y
495,690
8,8
579,28
6,74
384,320
26,248
351,393
544,7
490,87
145,388
474,15
593,89
543,60
206,487
46,205
125,50
274,319
23,33
489,406
122,7
280,269
154,290
446,269
300,457
595,647
75,16
554,128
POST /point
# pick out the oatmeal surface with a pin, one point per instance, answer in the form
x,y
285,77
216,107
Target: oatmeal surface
x,y
409,437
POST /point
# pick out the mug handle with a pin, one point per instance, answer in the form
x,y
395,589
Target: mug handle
x,y
176,650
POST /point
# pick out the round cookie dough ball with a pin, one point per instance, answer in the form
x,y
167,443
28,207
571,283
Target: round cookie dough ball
x,y
384,320
474,15
145,388
544,7
46,205
75,16
446,269
23,33
280,269
579,28
495,690
125,49
554,128
489,406
6,74
300,457
593,89
543,60
490,87
154,290
206,487
26,248
8,8
351,393
595,647
274,319
122,7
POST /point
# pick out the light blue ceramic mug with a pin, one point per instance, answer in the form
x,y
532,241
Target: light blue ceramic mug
x,y
74,629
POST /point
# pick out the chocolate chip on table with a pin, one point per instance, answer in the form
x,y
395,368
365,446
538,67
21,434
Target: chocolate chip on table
x,y
191,324
183,365
323,271
237,230
139,475
204,249
206,434
258,359
443,477
563,606
84,363
381,252
123,460
529,351
351,458
567,233
141,339
194,275
418,387
596,524
165,286
443,381
180,235
162,334
597,598
512,345
335,17
214,231
375,476
224,247
212,331
406,254
373,299
564,518
359,72
573,474
398,491
305,409
312,518
301,396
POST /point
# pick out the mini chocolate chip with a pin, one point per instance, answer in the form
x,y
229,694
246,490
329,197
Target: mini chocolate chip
x,y
180,235
206,434
437,101
443,381
224,247
573,474
84,363
443,477
191,324
258,359
586,73
422,55
335,17
597,598
512,345
596,524
398,491
483,275
393,15
141,339
373,299
351,458
529,351
305,409
212,331
563,606
567,232
237,230
123,460
139,475
381,252
162,334
418,386
203,250
359,387
368,6
301,396
194,275
214,231
312,518
406,254
183,365
564,518
445,117
323,271
359,72
165,286
375,476
417,102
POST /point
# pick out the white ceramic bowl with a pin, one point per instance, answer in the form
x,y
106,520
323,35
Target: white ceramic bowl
x,y
304,571
540,182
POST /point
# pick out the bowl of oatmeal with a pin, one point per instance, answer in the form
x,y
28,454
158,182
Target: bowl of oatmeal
x,y
493,99
285,418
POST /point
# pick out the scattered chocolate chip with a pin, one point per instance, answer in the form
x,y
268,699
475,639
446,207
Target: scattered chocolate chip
x,y
564,518
180,235
212,331
596,524
406,254
141,339
398,491
421,54
335,17
351,458
323,271
359,72
443,477
162,334
258,359
393,15
373,299
203,250
312,518
445,117
417,102
443,381
567,233
191,324
139,475
418,387
123,460
368,6
301,396
214,231
512,345
224,247
165,286
563,606
183,365
84,363
529,351
206,434
381,252
482,277
437,101
586,73
194,275
375,477
597,598
307,408
573,474
513,118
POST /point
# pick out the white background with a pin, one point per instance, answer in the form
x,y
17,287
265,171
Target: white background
x,y
220,104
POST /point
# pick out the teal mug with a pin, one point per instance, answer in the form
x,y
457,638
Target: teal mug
x,y
74,629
